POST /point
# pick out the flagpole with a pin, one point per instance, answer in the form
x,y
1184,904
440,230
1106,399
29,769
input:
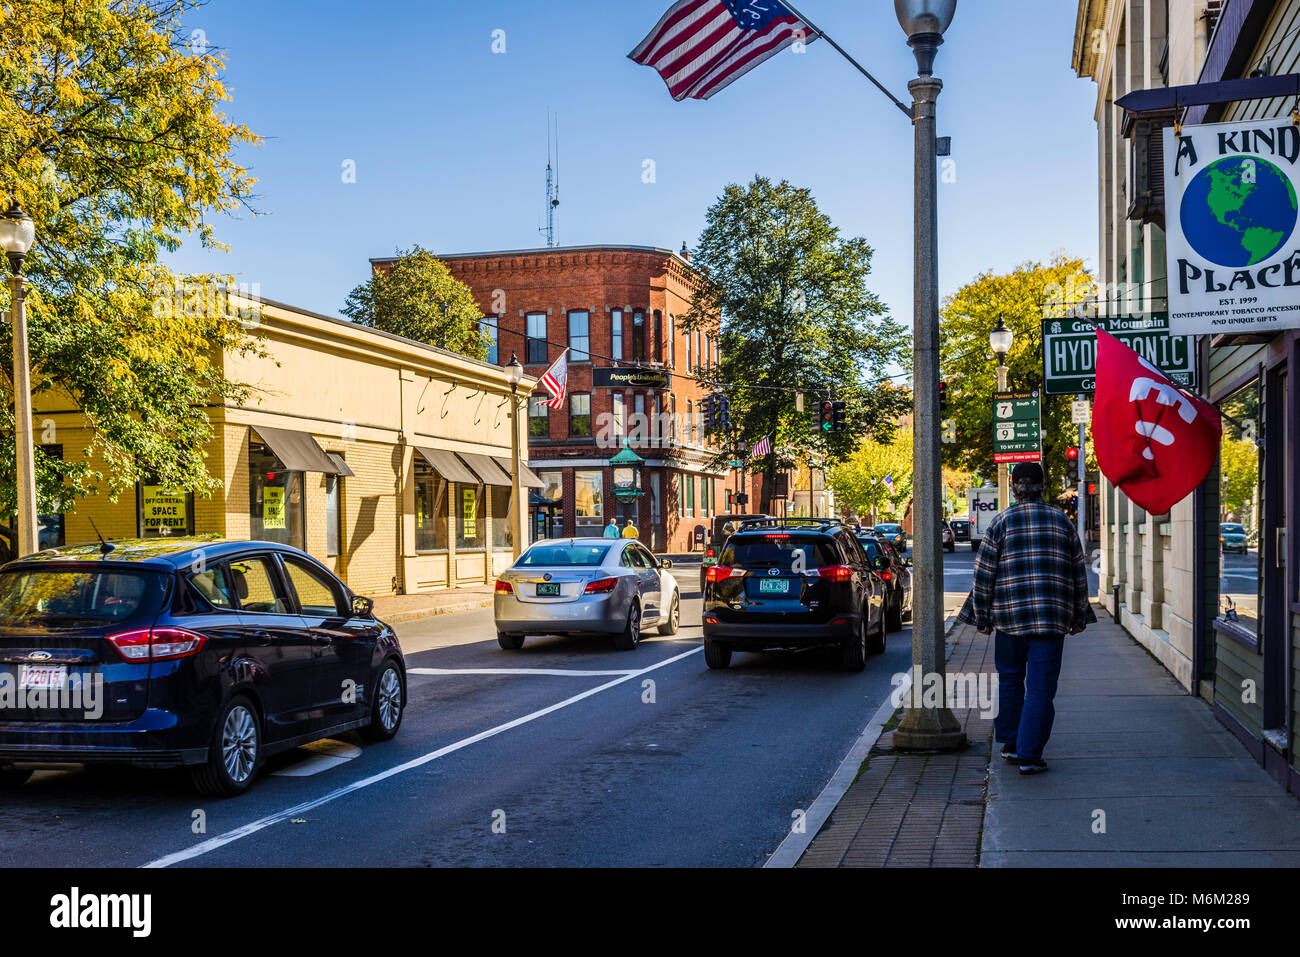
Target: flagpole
x,y
842,52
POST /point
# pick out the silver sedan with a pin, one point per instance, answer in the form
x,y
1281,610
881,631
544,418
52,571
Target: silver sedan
x,y
582,586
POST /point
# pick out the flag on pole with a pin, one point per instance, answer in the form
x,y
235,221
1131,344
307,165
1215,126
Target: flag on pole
x,y
556,380
889,483
762,447
702,46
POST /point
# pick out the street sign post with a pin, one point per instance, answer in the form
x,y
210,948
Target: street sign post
x,y
1017,427
1070,350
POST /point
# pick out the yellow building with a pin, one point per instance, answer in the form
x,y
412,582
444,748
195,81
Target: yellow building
x,y
387,459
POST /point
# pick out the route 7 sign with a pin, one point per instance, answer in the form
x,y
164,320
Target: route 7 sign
x,y
1017,427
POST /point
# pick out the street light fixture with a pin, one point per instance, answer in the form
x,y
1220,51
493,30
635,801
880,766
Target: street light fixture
x,y
17,232
516,371
926,727
1001,340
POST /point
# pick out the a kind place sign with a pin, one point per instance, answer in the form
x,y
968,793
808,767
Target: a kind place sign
x,y
1230,227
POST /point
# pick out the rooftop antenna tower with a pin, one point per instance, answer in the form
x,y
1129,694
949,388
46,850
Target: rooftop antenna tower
x,y
552,179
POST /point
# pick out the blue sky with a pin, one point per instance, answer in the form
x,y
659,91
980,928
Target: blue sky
x,y
449,138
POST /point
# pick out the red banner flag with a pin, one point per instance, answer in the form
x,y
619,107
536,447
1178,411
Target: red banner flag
x,y
1154,441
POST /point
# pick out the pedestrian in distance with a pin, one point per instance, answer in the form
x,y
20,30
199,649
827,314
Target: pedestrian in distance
x,y
1031,586
611,530
629,530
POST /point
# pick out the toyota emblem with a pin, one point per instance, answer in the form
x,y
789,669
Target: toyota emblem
x,y
774,571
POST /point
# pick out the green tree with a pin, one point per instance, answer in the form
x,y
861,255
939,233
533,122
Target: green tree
x,y
858,480
970,370
787,297
114,140
416,296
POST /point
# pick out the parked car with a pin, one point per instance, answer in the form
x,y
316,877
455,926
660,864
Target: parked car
x,y
895,575
960,530
893,532
787,584
586,586
1233,537
720,530
949,538
213,655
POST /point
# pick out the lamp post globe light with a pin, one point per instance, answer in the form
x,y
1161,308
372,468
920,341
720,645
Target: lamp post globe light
x,y
926,727
17,233
516,371
1000,340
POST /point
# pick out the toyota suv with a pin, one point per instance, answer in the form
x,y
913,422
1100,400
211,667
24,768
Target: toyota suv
x,y
793,584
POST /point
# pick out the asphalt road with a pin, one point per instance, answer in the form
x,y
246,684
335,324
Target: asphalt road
x,y
566,753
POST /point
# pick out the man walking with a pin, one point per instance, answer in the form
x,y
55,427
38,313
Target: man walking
x,y
630,530
1031,585
611,530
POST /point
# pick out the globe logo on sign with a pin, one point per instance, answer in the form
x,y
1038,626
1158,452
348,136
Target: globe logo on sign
x,y
1238,211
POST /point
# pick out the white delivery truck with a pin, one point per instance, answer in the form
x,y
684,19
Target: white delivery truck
x,y
982,506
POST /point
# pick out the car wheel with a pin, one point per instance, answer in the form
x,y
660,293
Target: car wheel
x,y
893,617
631,634
234,753
876,642
853,653
669,627
12,777
716,655
389,704
510,642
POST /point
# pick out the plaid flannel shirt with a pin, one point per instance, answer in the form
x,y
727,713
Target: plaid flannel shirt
x,y
1030,576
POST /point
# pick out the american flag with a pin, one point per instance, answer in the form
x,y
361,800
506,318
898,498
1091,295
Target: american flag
x,y
701,46
761,447
889,483
556,380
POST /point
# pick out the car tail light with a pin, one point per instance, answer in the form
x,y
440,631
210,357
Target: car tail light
x,y
157,644
717,573
710,621
504,587
837,573
777,537
600,586
886,576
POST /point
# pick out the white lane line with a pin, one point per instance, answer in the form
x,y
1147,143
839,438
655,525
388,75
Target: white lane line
x,y
221,840
515,671
322,755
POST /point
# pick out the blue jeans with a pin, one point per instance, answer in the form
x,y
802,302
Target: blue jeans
x,y
1028,667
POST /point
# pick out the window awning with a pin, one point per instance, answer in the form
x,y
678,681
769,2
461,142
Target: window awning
x,y
448,466
527,477
341,464
298,451
486,469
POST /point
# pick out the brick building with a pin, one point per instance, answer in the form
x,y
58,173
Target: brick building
x,y
615,308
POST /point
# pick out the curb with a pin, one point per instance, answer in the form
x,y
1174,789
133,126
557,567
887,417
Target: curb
x,y
402,617
791,849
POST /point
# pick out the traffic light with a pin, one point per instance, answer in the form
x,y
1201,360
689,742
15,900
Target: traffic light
x,y
706,409
943,397
837,416
1072,457
825,416
724,413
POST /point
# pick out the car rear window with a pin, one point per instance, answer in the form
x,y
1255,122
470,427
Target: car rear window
x,y
891,529
79,597
1234,530
583,555
786,552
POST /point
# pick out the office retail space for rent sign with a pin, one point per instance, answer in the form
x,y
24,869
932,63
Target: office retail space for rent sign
x,y
1230,226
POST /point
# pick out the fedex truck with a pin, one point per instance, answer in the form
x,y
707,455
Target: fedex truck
x,y
982,506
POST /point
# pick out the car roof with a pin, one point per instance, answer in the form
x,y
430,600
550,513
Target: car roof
x,y
166,554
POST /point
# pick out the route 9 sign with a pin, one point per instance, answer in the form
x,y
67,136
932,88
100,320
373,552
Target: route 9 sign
x,y
1017,427
1070,350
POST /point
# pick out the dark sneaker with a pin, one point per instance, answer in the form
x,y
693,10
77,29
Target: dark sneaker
x,y
1032,767
1009,755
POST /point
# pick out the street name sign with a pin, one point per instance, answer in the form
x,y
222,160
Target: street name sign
x,y
1070,350
1017,427
1233,258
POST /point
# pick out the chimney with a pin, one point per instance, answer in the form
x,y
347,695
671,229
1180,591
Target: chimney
x,y
685,253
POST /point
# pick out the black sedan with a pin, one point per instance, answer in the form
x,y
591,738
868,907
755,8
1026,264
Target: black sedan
x,y
893,533
211,655
895,575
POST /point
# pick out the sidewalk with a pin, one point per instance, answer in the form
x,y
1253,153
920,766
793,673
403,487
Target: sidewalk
x,y
1141,775
395,609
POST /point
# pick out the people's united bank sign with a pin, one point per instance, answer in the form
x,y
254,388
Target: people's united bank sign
x,y
1230,221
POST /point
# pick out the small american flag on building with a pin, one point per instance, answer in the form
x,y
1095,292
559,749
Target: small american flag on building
x,y
556,380
702,46
762,447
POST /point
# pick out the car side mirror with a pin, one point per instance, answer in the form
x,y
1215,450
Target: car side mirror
x,y
362,607
909,563
666,563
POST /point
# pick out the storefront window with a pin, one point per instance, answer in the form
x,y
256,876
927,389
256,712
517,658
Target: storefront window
x,y
331,515
1239,478
588,502
49,528
468,503
501,532
276,508
430,509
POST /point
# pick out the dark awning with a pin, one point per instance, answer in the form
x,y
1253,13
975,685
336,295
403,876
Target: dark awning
x,y
297,451
487,470
341,464
448,466
527,477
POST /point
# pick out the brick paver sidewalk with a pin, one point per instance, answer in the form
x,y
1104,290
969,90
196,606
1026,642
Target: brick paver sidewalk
x,y
917,810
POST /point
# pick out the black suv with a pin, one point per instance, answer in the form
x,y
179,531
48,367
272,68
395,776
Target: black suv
x,y
791,584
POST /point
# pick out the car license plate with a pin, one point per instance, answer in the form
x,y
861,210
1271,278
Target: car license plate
x,y
773,586
42,676
548,589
